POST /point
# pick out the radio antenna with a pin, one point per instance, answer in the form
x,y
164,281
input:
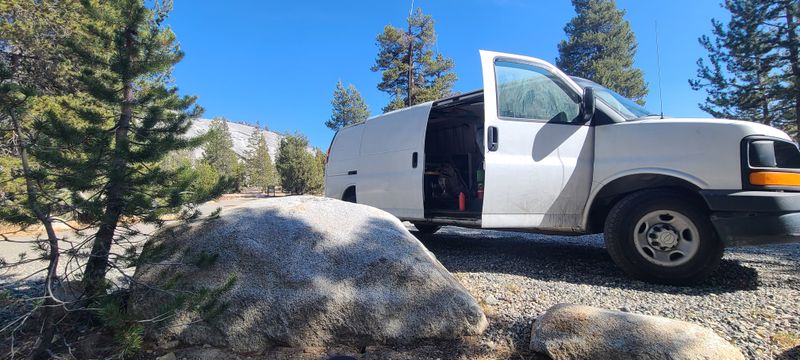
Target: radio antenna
x,y
658,64
411,12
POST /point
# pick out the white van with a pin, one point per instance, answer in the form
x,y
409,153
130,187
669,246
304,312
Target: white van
x,y
537,150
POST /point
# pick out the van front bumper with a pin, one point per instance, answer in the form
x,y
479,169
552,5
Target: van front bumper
x,y
744,218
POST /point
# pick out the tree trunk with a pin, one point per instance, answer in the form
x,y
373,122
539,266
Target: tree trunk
x,y
793,48
48,326
97,265
410,90
762,89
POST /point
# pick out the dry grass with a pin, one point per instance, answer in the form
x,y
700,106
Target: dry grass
x,y
501,350
763,313
11,230
488,310
513,288
785,340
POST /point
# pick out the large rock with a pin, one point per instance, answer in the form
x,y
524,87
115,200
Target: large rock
x,y
299,271
567,331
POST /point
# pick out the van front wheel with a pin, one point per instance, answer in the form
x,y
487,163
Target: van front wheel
x,y
662,236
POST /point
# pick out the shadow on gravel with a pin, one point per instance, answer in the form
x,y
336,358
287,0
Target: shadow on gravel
x,y
520,332
21,288
575,261
791,354
15,300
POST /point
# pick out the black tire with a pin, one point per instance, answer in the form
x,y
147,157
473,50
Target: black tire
x,y
621,241
427,228
350,196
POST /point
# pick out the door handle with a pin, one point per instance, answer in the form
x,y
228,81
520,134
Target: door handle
x,y
414,160
352,172
492,138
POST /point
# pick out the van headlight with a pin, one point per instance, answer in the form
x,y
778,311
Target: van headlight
x,y
770,163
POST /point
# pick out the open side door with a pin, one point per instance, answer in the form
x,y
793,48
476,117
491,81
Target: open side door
x,y
538,153
392,162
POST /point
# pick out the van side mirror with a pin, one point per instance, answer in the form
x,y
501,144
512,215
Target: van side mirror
x,y
587,106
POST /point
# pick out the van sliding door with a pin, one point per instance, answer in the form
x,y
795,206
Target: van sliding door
x,y
392,162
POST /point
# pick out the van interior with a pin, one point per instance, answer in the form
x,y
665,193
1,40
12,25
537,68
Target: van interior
x,y
454,158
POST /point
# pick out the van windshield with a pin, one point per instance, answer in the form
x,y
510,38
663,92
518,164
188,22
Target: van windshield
x,y
629,109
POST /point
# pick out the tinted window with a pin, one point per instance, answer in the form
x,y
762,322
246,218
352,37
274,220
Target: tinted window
x,y
532,93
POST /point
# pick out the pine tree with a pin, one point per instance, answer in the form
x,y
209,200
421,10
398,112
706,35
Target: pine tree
x,y
297,167
318,176
601,47
105,143
218,148
31,70
753,71
34,68
204,183
412,72
31,42
348,107
258,164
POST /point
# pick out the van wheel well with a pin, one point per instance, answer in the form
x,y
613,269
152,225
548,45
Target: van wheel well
x,y
610,194
349,194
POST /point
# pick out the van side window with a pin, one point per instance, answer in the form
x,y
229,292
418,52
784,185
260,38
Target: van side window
x,y
532,93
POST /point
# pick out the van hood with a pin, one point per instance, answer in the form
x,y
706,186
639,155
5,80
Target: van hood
x,y
705,152
745,128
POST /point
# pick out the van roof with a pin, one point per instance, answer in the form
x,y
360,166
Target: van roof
x,y
458,99
441,103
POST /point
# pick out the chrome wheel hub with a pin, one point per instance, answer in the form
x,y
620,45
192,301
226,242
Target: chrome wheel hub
x,y
662,237
666,238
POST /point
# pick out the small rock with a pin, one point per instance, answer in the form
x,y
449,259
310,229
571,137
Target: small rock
x,y
168,356
168,344
490,300
567,331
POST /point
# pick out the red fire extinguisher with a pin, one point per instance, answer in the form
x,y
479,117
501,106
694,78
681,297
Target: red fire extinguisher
x,y
462,201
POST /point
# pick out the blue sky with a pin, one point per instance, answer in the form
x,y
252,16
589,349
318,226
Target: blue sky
x,y
276,62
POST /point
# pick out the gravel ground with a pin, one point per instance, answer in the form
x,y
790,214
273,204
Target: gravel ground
x,y
752,300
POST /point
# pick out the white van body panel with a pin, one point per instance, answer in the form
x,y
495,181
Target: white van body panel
x,y
540,174
348,148
577,157
345,158
386,178
703,152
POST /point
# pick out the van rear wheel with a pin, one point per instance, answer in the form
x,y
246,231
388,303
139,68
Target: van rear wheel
x,y
427,228
662,236
350,195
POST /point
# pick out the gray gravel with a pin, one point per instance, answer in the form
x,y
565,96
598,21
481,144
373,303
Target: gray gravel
x,y
752,300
